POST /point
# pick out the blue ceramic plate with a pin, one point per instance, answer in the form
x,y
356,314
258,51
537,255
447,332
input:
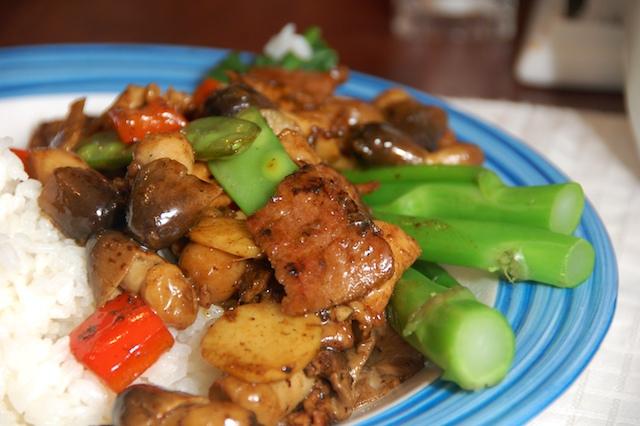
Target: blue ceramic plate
x,y
558,331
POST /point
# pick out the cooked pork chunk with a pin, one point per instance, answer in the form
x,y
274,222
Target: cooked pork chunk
x,y
323,245
294,89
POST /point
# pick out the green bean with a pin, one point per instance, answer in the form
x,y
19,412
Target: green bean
x,y
251,177
104,151
214,138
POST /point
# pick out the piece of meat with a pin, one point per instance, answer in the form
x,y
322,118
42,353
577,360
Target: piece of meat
x,y
66,133
147,405
392,361
405,251
323,245
269,401
298,148
328,125
320,408
293,89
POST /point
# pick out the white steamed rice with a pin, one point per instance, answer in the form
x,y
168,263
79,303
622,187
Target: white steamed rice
x,y
43,295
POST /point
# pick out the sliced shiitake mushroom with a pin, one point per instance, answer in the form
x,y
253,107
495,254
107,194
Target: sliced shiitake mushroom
x,y
425,124
150,405
232,99
117,261
381,144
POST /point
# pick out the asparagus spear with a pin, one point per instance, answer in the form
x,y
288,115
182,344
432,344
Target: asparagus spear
x,y
471,342
251,177
517,252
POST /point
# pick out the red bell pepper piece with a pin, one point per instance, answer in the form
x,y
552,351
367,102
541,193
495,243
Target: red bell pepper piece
x,y
120,340
205,88
23,155
133,125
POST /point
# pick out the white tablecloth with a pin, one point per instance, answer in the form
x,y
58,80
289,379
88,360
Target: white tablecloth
x,y
597,150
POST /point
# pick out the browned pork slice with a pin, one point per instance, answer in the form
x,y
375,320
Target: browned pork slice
x,y
323,245
294,89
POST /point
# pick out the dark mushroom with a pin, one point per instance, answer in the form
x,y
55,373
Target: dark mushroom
x,y
79,201
381,144
165,202
234,98
117,261
425,124
146,405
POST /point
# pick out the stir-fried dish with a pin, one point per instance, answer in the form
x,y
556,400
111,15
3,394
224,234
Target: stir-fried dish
x,y
312,219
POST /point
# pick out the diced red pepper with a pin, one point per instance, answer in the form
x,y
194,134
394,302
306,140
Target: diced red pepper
x,y
205,88
133,125
120,340
23,155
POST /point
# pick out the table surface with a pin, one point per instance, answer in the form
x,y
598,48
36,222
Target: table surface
x,y
358,29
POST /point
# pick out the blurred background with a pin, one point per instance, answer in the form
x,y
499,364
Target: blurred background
x,y
464,48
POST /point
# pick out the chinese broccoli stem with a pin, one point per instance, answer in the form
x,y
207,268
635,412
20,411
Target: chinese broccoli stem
x,y
251,177
515,251
472,343
435,273
554,207
415,173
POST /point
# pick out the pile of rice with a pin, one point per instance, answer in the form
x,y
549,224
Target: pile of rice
x,y
43,295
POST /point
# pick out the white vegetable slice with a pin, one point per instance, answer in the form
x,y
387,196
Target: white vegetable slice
x,y
227,234
260,344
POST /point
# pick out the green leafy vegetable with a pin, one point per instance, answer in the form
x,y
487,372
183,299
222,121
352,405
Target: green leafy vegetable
x,y
323,58
232,62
